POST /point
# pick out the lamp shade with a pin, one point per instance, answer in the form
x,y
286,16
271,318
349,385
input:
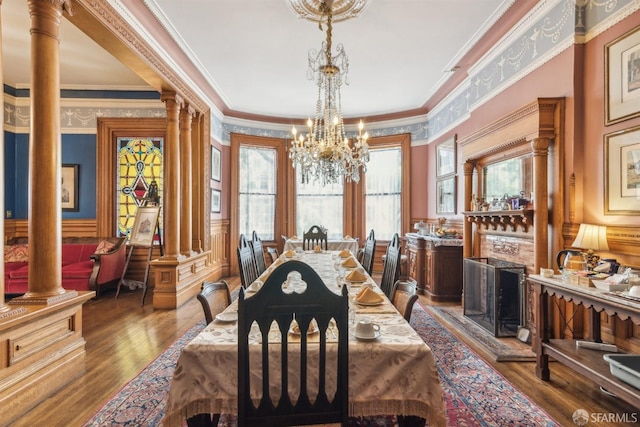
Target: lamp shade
x,y
592,237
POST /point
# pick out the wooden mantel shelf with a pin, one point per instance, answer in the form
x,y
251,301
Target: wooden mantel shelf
x,y
513,219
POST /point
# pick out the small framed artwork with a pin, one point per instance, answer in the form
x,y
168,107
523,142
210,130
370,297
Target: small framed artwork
x,y
69,187
446,157
446,195
215,164
622,172
216,195
622,79
144,226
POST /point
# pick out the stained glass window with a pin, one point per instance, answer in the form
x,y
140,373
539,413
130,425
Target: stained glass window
x,y
139,165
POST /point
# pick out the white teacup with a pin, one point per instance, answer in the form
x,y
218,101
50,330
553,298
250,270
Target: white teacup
x,y
367,329
634,291
255,286
546,272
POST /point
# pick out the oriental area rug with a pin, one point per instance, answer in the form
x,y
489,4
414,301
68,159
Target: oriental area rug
x,y
475,393
504,349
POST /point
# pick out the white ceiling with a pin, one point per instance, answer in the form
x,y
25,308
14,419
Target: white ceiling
x,y
254,52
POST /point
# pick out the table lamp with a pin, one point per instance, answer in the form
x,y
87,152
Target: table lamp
x,y
592,238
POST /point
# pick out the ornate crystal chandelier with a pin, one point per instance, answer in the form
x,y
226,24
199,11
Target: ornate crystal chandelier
x,y
324,153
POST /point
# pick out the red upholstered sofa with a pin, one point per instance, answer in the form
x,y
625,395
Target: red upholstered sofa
x,y
88,263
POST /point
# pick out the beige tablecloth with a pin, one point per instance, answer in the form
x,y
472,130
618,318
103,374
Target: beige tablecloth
x,y
394,374
332,245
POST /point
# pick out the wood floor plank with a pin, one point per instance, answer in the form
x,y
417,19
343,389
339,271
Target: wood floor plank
x,y
123,338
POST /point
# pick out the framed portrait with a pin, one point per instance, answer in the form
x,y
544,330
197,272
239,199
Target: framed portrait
x,y
446,195
215,164
144,226
446,157
69,187
216,195
622,77
622,172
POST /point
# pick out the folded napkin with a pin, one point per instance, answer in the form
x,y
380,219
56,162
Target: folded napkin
x,y
356,276
347,237
350,263
289,254
317,249
345,253
368,296
294,237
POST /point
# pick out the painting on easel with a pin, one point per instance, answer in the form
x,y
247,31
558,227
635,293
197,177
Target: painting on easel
x,y
144,227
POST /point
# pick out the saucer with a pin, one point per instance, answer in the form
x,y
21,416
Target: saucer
x,y
227,316
374,337
370,304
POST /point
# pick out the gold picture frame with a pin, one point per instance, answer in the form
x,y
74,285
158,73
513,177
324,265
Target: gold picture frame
x,y
622,172
622,85
144,227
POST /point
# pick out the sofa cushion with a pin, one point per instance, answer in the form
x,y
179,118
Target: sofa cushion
x,y
104,247
81,269
12,266
19,273
16,253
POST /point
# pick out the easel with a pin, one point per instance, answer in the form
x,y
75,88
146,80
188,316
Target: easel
x,y
139,238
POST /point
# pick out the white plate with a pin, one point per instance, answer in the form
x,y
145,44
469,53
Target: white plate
x,y
371,304
227,316
375,337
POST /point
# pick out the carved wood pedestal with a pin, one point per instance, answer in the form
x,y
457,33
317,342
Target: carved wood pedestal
x,y
436,265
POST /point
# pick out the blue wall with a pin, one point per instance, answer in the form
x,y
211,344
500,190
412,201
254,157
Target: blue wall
x,y
76,149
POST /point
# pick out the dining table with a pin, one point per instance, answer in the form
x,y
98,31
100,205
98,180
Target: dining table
x,y
393,374
333,244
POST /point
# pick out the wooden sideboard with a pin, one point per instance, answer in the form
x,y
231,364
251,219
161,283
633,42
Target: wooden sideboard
x,y
587,362
436,266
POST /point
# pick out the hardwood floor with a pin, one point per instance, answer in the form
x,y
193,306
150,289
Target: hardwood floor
x,y
123,338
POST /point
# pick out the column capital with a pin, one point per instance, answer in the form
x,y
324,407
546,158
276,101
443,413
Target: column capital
x,y
540,146
469,166
172,99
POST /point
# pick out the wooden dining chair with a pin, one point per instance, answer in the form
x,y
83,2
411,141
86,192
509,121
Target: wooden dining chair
x,y
403,297
273,308
246,262
315,236
258,253
391,269
273,254
214,297
369,252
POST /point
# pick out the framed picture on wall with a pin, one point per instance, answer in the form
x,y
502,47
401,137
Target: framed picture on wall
x,y
216,195
69,187
446,157
215,164
622,172
446,195
622,77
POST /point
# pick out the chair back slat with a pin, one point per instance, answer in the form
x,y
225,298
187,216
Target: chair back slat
x,y
369,252
273,303
403,297
391,270
258,253
316,236
246,262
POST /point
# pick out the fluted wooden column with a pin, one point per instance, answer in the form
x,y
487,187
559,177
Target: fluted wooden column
x,y
45,159
540,147
186,118
467,228
171,203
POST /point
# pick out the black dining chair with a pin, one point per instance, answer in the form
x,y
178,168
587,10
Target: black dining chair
x,y
403,297
214,297
246,262
307,400
391,270
369,252
258,253
315,236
